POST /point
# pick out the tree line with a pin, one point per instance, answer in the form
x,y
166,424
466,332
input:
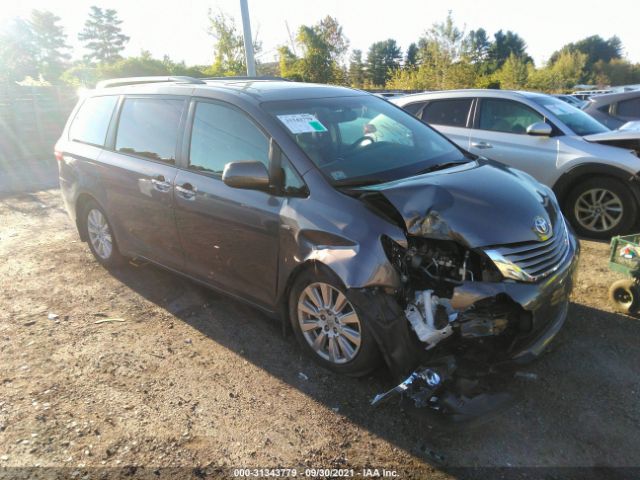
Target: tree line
x,y
444,57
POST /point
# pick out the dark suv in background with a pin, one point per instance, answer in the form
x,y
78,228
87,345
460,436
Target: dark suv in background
x,y
370,233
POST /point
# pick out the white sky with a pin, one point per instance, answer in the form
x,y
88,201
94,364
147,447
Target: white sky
x,y
179,28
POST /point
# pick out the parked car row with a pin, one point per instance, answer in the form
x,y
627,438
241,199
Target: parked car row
x,y
592,170
615,109
373,236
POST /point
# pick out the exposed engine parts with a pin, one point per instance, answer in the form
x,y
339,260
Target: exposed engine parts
x,y
464,332
430,317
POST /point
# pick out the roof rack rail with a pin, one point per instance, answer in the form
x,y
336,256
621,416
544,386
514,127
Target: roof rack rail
x,y
119,82
240,77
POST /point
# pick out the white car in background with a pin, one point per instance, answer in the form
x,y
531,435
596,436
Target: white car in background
x,y
593,171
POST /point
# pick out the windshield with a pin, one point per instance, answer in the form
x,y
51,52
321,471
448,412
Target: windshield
x,y
363,139
580,122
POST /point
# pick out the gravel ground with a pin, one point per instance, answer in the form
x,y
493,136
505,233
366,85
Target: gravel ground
x,y
185,378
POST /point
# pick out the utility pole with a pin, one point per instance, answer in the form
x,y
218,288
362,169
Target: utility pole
x,y
248,40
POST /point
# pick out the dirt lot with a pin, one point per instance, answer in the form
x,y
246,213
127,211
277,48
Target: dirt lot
x,y
192,379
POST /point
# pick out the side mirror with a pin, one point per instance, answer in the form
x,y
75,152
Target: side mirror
x,y
539,129
250,174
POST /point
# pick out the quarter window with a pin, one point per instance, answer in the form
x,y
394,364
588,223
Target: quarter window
x,y
149,128
92,120
506,116
222,134
413,108
629,108
453,113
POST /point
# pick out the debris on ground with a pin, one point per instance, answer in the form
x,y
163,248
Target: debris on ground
x,y
302,376
105,320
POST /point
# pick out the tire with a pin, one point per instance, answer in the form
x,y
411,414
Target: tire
x,y
324,327
624,296
100,236
600,208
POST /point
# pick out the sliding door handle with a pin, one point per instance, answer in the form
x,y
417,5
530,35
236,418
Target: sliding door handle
x,y
186,191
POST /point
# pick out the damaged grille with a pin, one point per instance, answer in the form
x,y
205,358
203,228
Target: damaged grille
x,y
531,261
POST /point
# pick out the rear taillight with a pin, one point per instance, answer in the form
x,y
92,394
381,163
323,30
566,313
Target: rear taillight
x,y
58,155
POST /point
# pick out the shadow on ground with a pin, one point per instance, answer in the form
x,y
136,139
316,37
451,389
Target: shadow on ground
x,y
578,409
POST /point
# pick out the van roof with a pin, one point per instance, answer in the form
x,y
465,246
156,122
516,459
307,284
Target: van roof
x,y
260,89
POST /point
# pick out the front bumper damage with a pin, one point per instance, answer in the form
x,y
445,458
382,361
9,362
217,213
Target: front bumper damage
x,y
458,378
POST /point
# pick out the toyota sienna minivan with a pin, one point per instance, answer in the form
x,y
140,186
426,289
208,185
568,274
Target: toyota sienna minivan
x,y
367,232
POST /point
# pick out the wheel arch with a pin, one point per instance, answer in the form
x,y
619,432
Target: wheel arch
x,y
81,202
573,177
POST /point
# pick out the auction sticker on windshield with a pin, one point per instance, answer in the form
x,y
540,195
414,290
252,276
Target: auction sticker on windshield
x,y
302,123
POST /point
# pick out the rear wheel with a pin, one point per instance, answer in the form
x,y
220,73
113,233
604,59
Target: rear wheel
x,y
100,238
329,326
624,296
601,208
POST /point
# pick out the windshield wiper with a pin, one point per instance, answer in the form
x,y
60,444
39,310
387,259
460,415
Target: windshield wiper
x,y
441,166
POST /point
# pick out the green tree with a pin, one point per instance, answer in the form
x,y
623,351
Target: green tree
x,y
514,73
288,64
569,69
331,32
505,45
356,69
382,59
229,55
616,72
443,63
103,36
144,65
18,53
411,57
316,64
595,48
476,46
443,40
50,45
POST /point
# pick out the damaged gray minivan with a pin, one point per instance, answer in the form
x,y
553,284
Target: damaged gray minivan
x,y
371,234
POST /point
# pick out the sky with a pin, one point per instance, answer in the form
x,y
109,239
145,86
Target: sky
x,y
179,28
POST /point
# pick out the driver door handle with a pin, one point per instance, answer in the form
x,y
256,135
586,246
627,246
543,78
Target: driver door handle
x,y
481,145
160,184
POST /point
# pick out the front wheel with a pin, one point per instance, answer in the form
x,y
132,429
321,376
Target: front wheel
x,y
601,208
329,325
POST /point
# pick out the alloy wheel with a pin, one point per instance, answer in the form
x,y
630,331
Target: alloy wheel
x,y
329,323
99,234
598,210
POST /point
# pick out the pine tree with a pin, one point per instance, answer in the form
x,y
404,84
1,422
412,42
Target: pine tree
x,y
50,44
103,35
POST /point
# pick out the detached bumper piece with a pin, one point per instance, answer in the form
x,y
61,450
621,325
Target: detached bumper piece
x,y
441,390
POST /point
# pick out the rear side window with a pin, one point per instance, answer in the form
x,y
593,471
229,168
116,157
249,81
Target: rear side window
x,y
629,108
222,134
149,127
91,123
506,116
453,112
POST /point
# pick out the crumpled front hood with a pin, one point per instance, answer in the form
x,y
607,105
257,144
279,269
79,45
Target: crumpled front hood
x,y
478,205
